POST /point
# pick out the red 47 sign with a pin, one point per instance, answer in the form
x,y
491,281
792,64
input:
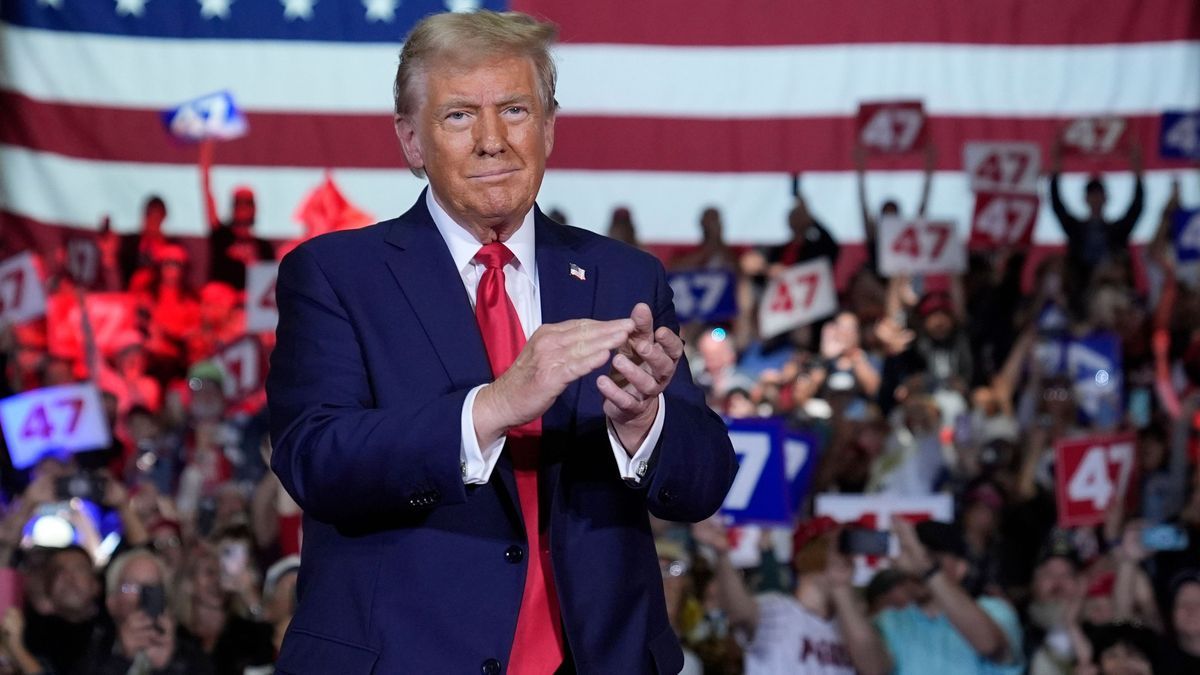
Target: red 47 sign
x,y
1003,220
67,418
243,366
891,127
800,295
1003,166
919,247
1089,474
1093,135
22,296
261,312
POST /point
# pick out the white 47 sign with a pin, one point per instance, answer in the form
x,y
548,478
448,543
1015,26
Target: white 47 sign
x,y
1004,167
799,296
66,418
261,312
22,296
919,247
1090,473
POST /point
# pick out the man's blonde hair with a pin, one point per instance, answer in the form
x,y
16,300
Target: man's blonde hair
x,y
467,38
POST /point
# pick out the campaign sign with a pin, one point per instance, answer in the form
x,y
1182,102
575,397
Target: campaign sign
x,y
64,418
83,261
22,296
759,493
1185,228
1093,363
876,512
1089,474
1008,166
1093,135
891,127
704,295
919,247
1003,220
801,453
800,295
261,312
243,367
1179,137
211,116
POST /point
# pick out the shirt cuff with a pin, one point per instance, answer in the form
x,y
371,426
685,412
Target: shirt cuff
x,y
477,463
633,468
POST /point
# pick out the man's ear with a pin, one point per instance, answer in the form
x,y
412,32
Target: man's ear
x,y
548,133
410,144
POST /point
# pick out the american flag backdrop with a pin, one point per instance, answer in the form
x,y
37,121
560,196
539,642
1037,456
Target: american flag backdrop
x,y
667,105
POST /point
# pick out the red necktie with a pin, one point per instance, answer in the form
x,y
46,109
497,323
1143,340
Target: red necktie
x,y
537,645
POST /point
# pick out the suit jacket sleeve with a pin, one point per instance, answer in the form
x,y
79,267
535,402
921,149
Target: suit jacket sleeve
x,y
694,464
339,457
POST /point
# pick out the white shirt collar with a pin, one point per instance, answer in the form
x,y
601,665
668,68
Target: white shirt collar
x,y
463,245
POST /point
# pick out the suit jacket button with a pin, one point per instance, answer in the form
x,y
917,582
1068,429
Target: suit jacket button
x,y
490,667
666,496
514,554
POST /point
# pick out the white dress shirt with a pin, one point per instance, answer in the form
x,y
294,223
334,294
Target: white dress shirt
x,y
521,283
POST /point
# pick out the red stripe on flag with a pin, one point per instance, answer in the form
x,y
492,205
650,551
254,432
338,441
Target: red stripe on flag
x,y
761,22
595,143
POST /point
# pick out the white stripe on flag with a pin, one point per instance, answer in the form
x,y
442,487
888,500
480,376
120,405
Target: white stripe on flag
x,y
702,82
666,206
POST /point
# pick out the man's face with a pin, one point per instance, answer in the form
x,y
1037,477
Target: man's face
x,y
482,136
139,572
73,586
1054,581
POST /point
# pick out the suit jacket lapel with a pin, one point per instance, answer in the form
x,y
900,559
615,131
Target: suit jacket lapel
x,y
421,264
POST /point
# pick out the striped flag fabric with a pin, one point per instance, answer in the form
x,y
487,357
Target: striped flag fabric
x,y
667,106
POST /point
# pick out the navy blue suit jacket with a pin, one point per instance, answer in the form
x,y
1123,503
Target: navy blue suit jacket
x,y
406,569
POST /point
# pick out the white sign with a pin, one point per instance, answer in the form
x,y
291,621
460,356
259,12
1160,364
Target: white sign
x,y
920,247
1093,135
66,418
876,512
22,296
800,295
241,364
261,312
1007,166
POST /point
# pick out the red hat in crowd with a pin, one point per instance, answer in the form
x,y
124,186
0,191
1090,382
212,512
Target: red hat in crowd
x,y
933,302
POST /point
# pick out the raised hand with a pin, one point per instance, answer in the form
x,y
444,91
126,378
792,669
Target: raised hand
x,y
641,370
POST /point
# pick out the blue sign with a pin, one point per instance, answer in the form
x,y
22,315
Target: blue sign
x,y
1094,364
775,467
1179,137
704,295
212,116
1185,229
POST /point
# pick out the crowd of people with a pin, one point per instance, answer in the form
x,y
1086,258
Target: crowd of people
x,y
180,555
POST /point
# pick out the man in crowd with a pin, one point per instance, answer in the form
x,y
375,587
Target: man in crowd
x,y
445,404
820,629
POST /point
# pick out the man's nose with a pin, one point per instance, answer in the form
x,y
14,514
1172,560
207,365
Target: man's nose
x,y
491,138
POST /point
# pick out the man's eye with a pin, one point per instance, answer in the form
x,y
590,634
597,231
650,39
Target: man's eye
x,y
457,115
515,110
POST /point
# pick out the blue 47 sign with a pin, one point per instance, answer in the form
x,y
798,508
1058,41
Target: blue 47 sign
x,y
775,467
212,116
1180,135
704,295
1186,228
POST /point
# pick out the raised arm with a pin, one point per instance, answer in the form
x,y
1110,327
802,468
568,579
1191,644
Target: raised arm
x,y
927,185
734,598
1125,225
860,173
210,204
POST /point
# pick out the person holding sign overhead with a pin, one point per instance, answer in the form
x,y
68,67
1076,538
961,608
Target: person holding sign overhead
x,y
474,465
1094,239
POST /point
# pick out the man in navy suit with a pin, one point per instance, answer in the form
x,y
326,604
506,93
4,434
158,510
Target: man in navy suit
x,y
475,465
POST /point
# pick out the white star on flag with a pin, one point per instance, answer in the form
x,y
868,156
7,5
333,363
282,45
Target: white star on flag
x,y
131,7
381,10
56,4
462,5
219,9
298,9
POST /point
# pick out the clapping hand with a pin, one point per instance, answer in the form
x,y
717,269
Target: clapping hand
x,y
641,370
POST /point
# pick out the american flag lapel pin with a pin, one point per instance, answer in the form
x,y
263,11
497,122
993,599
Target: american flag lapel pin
x,y
578,272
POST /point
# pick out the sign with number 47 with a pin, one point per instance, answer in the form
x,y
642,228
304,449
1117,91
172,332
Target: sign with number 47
x,y
1090,473
799,296
65,418
22,296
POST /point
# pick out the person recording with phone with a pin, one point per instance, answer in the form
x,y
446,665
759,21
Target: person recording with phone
x,y
820,629
147,640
